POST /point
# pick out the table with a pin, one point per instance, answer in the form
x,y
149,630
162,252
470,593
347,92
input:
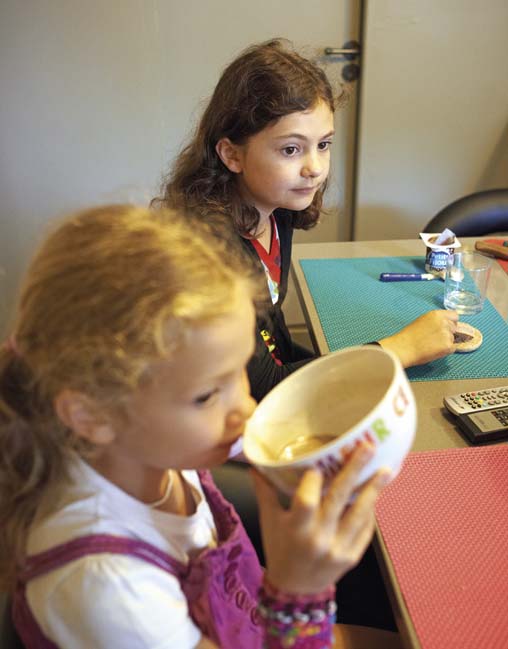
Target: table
x,y
436,429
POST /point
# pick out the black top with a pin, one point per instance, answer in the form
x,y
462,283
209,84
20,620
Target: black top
x,y
264,372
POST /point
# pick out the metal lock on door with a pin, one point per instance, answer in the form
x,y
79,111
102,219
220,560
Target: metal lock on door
x,y
350,51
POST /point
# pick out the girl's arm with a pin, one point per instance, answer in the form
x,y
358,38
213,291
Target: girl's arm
x,y
425,339
310,546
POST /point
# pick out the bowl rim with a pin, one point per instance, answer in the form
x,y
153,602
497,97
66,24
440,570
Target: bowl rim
x,y
304,458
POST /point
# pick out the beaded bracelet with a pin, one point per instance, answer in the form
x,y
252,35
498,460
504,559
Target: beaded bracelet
x,y
297,622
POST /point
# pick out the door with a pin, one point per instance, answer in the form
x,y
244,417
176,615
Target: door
x,y
434,110
98,97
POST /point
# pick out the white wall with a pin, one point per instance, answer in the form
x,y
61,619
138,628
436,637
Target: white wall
x,y
97,97
80,114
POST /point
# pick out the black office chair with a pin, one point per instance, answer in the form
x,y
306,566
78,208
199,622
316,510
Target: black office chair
x,y
474,215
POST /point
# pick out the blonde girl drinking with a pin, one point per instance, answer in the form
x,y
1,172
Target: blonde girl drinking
x,y
122,382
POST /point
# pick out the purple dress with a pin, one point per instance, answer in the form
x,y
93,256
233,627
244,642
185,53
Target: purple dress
x,y
221,584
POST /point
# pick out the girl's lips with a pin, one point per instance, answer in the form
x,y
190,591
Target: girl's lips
x,y
305,190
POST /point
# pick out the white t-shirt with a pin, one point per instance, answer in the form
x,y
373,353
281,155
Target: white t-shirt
x,y
105,600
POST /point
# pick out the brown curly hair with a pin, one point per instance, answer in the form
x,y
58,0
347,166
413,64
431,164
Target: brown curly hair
x,y
266,82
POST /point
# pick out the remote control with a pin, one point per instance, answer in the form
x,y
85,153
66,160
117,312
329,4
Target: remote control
x,y
474,401
485,426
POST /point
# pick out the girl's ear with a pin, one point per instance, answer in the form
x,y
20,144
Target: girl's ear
x,y
230,154
79,413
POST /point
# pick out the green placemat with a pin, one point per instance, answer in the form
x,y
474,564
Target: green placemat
x,y
354,307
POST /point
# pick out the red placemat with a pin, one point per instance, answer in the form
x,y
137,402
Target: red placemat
x,y
444,522
502,262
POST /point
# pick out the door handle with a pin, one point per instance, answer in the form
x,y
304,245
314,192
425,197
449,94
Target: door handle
x,y
350,50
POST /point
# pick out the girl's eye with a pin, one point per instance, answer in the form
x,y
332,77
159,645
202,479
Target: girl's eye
x,y
323,146
205,398
290,150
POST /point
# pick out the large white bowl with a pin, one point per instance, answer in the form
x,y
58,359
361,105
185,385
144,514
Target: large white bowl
x,y
353,394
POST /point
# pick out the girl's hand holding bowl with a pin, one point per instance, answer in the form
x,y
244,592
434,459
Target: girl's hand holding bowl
x,y
312,544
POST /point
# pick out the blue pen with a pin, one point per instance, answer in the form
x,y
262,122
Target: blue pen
x,y
406,277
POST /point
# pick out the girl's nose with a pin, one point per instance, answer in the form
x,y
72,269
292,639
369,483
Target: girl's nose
x,y
246,402
243,405
313,166
239,415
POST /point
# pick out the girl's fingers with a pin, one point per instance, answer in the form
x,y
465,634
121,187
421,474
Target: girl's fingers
x,y
307,499
361,511
343,484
